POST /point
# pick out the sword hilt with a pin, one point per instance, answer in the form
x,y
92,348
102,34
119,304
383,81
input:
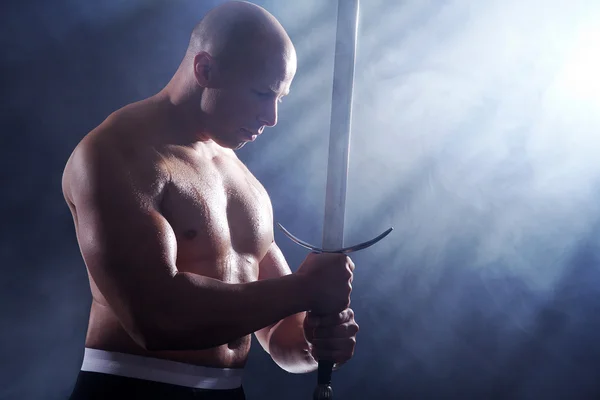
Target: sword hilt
x,y
324,391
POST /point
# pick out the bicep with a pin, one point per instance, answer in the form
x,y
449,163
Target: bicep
x,y
127,245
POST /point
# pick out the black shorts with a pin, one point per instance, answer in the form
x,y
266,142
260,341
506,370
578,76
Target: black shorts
x,y
100,386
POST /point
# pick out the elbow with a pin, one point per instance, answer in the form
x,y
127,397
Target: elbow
x,y
153,335
149,331
151,340
159,335
294,358
155,342
170,341
147,337
299,361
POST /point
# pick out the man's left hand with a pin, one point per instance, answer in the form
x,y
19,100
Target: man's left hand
x,y
331,337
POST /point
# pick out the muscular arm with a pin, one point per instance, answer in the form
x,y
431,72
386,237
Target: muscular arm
x,y
130,251
284,340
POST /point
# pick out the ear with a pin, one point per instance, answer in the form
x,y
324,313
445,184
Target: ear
x,y
205,69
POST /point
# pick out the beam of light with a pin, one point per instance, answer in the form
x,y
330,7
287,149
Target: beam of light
x,y
476,104
578,80
474,134
581,72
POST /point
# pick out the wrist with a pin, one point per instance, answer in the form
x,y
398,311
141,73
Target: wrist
x,y
301,292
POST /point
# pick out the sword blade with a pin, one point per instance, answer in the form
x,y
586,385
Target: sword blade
x,y
339,151
341,118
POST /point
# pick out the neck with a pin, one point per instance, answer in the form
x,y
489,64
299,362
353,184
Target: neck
x,y
183,100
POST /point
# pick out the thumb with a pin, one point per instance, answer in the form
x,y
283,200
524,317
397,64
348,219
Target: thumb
x,y
309,328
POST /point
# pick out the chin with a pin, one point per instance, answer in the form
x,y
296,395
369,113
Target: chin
x,y
231,145
239,146
228,144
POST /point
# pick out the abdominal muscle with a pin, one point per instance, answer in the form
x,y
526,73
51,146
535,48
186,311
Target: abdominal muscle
x,y
105,332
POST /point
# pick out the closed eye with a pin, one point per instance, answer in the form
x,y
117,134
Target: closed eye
x,y
263,94
267,95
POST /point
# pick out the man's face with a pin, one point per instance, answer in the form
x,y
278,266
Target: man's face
x,y
246,98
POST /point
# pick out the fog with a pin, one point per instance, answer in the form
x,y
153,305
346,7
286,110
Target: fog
x,y
474,134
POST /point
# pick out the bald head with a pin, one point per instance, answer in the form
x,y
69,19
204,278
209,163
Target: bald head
x,y
237,32
239,65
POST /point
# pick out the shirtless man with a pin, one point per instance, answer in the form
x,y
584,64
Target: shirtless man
x,y
177,234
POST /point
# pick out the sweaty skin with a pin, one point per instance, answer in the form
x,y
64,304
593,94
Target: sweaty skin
x,y
219,213
177,234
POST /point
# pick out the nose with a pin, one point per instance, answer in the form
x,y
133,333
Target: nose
x,y
268,115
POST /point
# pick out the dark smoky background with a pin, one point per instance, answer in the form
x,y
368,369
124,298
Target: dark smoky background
x,y
475,134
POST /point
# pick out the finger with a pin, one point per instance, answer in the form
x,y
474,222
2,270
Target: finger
x,y
337,356
334,344
338,365
339,331
311,320
350,263
309,334
331,319
316,321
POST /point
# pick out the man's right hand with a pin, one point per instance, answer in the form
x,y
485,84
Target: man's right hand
x,y
329,280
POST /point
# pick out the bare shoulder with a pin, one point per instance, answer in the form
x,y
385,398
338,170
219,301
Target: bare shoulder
x,y
118,149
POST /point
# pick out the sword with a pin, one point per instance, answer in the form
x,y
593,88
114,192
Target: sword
x,y
337,164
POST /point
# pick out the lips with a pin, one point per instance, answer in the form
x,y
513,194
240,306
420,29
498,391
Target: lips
x,y
254,133
251,136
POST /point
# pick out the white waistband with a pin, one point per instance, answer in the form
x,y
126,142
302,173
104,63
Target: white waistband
x,y
165,371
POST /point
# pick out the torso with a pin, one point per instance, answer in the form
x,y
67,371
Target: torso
x,y
222,219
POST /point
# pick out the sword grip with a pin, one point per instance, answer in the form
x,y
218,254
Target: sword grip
x,y
323,391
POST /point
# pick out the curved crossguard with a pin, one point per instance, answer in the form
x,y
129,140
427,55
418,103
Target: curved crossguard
x,y
345,250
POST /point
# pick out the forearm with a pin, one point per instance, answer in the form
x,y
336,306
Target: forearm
x,y
201,312
288,346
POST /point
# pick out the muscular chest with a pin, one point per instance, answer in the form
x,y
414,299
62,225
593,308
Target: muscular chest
x,y
221,217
